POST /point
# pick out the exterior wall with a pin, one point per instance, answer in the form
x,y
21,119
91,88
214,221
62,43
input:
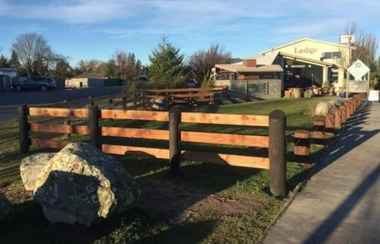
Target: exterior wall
x,y
264,88
76,83
311,49
84,83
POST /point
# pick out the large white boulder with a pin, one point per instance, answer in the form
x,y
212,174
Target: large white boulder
x,y
31,168
82,185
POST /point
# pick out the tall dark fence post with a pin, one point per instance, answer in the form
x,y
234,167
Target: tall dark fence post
x,y
23,129
91,101
277,154
124,102
93,125
174,139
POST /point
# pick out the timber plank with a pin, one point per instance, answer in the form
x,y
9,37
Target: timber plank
x,y
227,139
58,112
226,119
134,115
61,129
135,133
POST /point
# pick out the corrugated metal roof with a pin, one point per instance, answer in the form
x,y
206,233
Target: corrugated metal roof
x,y
240,68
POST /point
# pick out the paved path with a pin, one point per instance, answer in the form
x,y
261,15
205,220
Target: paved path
x,y
341,202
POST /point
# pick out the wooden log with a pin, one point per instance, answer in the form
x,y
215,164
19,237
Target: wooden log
x,y
226,119
174,139
321,135
301,150
302,134
301,143
277,154
319,121
93,125
58,112
59,129
227,159
338,119
122,150
225,139
330,120
118,114
24,141
135,133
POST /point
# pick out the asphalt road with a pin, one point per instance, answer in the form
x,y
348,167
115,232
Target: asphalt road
x,y
10,100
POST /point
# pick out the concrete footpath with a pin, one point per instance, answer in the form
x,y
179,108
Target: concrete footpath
x,y
341,202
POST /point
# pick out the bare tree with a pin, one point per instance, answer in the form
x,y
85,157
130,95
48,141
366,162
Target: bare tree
x,y
203,61
34,53
366,45
127,65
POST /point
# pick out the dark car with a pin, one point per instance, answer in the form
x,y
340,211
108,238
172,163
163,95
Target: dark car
x,y
24,83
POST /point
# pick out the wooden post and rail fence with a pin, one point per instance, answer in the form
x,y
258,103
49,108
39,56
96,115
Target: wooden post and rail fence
x,y
274,143
325,128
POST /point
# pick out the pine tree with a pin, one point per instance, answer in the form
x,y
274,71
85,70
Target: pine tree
x,y
166,69
14,62
3,62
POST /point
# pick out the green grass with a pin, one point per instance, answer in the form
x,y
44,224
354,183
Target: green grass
x,y
209,204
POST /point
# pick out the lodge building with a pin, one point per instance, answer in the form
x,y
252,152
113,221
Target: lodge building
x,y
300,63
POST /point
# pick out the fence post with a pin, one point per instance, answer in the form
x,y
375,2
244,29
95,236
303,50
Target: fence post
x,y
174,139
91,101
277,154
23,129
93,125
124,102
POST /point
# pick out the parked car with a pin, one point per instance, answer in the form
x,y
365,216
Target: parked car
x,y
42,84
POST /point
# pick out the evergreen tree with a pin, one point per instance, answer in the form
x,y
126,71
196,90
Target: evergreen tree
x,y
14,62
3,62
166,69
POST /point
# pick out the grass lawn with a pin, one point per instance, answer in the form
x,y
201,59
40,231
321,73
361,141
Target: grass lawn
x,y
209,204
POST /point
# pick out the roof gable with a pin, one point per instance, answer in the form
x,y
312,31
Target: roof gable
x,y
302,40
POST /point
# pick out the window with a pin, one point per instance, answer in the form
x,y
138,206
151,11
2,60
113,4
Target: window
x,y
331,55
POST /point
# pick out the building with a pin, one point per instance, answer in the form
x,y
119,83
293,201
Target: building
x,y
251,79
6,76
84,82
304,62
91,82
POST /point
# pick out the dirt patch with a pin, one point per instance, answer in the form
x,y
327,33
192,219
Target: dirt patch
x,y
242,204
175,202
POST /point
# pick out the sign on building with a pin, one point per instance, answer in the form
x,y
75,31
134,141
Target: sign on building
x,y
358,70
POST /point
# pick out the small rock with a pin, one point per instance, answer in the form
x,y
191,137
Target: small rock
x,y
322,108
31,168
82,185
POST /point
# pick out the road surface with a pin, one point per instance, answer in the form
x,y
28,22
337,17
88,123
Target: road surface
x,y
10,100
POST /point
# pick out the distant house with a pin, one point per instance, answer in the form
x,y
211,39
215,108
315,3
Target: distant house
x,y
91,81
6,76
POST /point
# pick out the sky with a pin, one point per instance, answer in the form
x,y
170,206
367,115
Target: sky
x,y
96,29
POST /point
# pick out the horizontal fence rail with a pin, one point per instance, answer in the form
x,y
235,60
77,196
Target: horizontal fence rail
x,y
109,139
